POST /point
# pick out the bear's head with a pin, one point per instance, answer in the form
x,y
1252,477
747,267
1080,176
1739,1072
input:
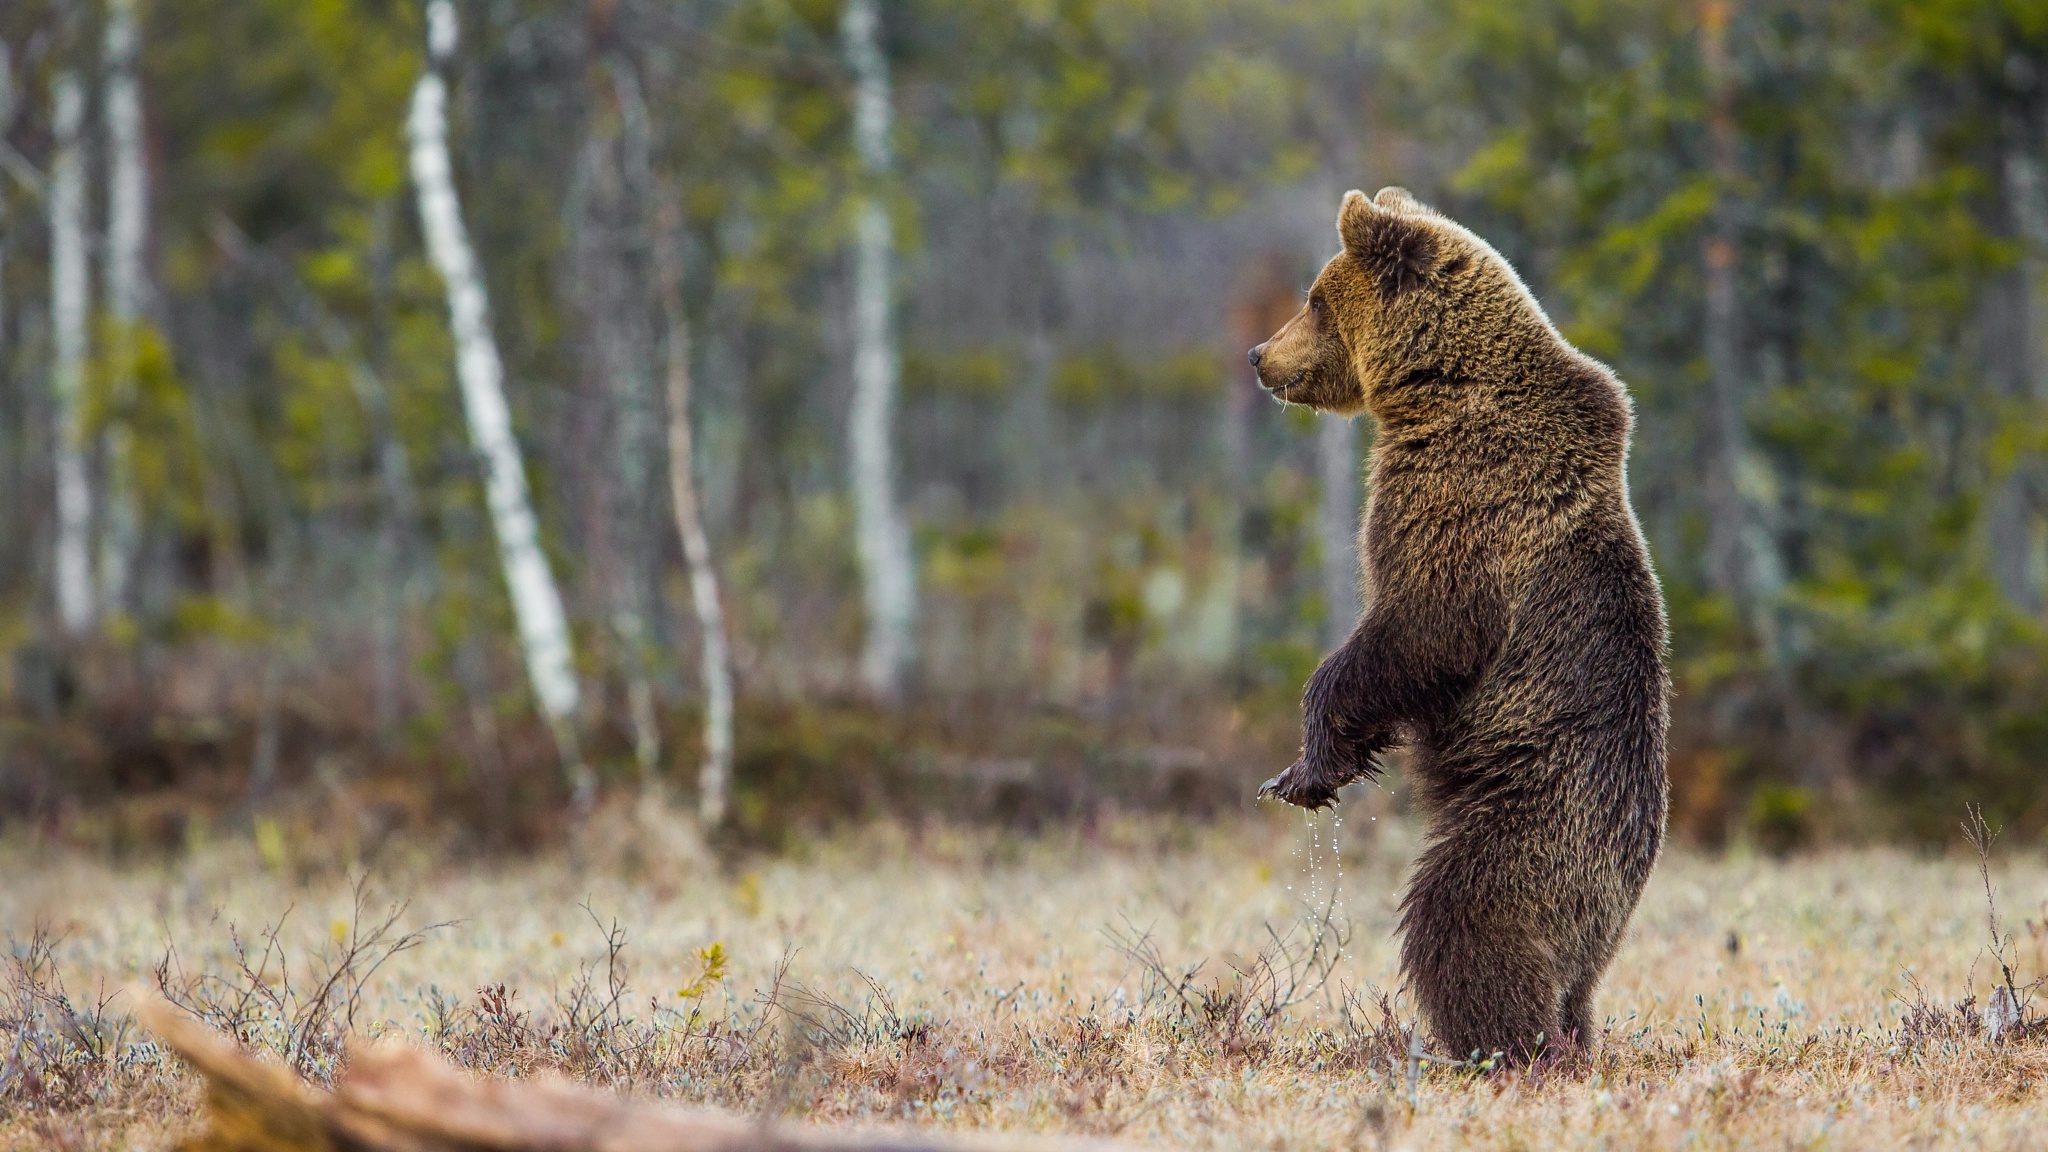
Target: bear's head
x,y
1412,301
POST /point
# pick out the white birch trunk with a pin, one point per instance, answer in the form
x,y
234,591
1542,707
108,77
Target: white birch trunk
x,y
714,774
127,238
70,290
1337,524
536,601
714,777
889,581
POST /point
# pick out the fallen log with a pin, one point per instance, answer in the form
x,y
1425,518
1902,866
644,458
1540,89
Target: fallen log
x,y
397,1098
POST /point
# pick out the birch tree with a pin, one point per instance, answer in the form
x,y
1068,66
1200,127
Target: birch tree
x,y
888,579
714,777
70,291
536,601
127,238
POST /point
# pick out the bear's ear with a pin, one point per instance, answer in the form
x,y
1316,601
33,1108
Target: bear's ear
x,y
1397,250
1396,198
1355,221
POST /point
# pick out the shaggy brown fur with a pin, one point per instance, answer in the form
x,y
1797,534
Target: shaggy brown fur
x,y
1513,631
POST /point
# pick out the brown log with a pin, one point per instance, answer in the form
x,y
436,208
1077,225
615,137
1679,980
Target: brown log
x,y
397,1098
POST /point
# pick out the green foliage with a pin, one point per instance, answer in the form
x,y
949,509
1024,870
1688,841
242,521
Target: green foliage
x,y
1101,519
977,372
1871,143
1780,817
1114,374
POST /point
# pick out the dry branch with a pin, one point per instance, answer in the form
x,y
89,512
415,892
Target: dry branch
x,y
396,1098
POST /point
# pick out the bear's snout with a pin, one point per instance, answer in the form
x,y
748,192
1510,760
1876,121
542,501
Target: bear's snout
x,y
1257,354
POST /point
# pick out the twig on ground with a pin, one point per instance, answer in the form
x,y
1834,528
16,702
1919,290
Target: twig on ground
x,y
2006,1013
1241,1011
305,1020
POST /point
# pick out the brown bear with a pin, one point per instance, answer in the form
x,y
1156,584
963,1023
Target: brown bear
x,y
1513,632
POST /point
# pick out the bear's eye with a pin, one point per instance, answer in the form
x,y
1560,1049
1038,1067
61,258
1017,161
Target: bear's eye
x,y
1315,305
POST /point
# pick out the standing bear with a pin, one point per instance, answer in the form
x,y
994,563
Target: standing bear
x,y
1513,632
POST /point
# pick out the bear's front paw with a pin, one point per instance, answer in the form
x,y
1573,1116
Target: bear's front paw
x,y
1300,787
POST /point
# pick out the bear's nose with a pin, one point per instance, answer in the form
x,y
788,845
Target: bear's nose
x,y
1258,352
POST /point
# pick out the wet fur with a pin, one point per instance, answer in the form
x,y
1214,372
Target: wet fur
x,y
1514,634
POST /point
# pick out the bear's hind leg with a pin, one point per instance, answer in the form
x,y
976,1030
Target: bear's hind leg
x,y
1601,939
1581,1029
1483,981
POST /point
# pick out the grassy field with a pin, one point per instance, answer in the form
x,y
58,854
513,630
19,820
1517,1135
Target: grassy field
x,y
968,979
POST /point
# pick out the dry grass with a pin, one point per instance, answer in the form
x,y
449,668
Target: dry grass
x,y
1150,980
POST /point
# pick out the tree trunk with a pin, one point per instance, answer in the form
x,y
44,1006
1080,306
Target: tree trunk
x,y
888,577
70,292
2012,319
613,291
1736,564
1219,616
1337,524
399,512
536,601
6,122
399,567
127,240
11,440
714,774
714,778
637,407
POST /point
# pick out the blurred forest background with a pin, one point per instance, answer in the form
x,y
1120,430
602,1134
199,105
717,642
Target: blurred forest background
x,y
1000,525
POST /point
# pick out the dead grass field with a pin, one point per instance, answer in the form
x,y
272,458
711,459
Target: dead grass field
x,y
971,979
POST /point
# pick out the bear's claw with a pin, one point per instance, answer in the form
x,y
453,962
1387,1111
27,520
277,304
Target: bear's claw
x,y
1303,789
1289,787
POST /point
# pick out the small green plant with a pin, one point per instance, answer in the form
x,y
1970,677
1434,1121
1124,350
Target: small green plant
x,y
712,966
